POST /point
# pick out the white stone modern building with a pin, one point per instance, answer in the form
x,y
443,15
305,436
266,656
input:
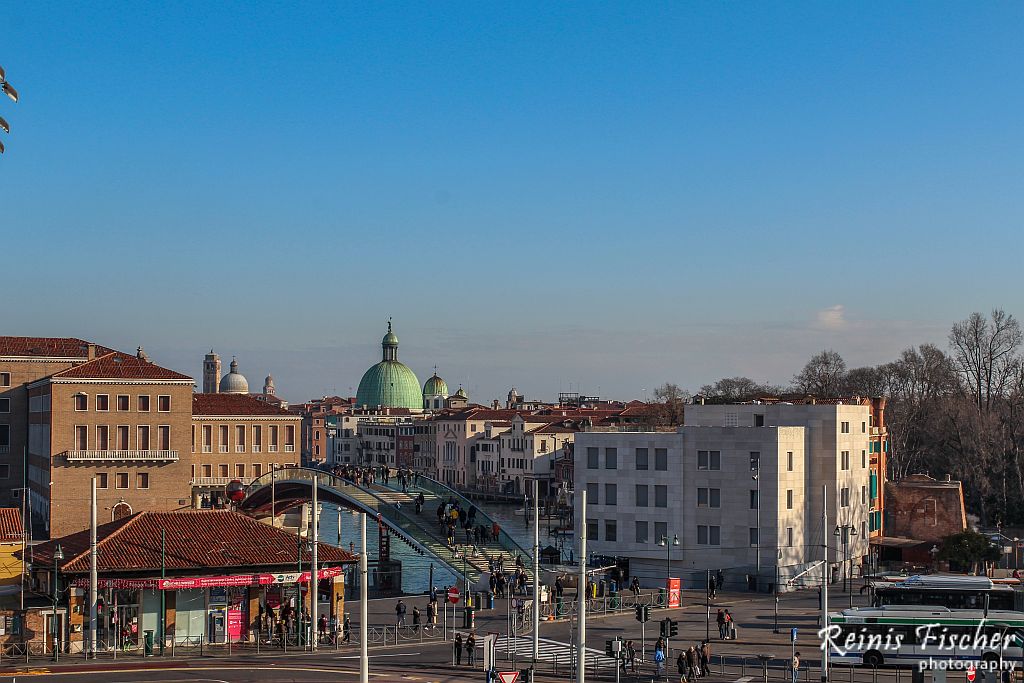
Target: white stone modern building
x,y
699,484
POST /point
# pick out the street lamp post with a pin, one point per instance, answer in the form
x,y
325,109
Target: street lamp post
x,y
755,467
668,559
58,556
847,531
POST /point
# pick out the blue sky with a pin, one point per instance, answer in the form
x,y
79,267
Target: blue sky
x,y
603,194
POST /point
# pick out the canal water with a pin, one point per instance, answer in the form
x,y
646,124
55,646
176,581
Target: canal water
x,y
342,528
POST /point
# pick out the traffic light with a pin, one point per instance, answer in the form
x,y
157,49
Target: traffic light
x,y
647,612
663,627
643,613
608,648
673,628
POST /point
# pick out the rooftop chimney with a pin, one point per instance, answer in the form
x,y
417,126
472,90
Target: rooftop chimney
x,y
90,352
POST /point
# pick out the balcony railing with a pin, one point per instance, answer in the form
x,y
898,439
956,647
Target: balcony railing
x,y
218,481
85,456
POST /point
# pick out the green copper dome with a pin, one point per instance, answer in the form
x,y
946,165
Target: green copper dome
x,y
390,383
435,386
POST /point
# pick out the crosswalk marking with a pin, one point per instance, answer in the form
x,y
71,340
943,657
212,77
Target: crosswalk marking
x,y
550,649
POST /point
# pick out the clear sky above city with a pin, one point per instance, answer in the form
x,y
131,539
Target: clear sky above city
x,y
595,196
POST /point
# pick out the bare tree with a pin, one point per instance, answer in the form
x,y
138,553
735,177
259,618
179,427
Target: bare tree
x,y
671,400
822,376
737,389
985,353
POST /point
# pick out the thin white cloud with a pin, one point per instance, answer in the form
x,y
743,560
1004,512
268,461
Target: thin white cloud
x,y
832,318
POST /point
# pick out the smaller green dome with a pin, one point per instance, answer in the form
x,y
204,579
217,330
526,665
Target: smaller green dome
x,y
435,386
461,393
390,339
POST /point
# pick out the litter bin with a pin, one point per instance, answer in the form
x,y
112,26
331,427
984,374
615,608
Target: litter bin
x,y
469,617
559,610
662,597
490,600
148,643
600,588
613,586
479,601
615,598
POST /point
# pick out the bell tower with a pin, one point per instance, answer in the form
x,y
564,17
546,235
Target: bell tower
x,y
211,373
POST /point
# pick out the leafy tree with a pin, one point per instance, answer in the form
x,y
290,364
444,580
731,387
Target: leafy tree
x,y
737,389
967,550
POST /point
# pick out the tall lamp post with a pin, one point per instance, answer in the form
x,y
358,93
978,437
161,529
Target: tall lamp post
x,y
58,556
664,543
846,531
755,468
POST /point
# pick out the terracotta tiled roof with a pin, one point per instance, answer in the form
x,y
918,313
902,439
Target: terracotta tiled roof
x,y
234,404
117,365
10,525
54,347
554,428
195,540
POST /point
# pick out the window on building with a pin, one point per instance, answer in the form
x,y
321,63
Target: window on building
x,y
660,496
5,405
121,480
207,438
592,494
641,495
163,438
257,438
709,497
143,438
610,494
5,471
660,531
142,480
81,438
611,458
709,535
122,438
101,480
753,499
81,402
863,427
863,495
592,529
661,459
844,460
122,403
103,402
758,420
239,470
143,403
222,470
753,535
789,461
102,438
709,460
273,439
789,499
593,458
641,458
207,470
641,532
5,379
163,404
755,461
239,438
222,434
844,497
844,427
257,470
610,530
863,459
289,438
789,536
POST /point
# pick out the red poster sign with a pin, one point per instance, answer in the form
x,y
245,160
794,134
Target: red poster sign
x,y
674,597
235,624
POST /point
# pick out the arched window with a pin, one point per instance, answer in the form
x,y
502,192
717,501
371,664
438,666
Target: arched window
x,y
120,511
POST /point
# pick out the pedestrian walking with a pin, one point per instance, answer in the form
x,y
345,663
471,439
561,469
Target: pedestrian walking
x,y
635,586
659,658
400,613
559,588
471,650
712,587
794,667
346,630
705,657
415,619
682,667
432,612
458,649
321,628
630,656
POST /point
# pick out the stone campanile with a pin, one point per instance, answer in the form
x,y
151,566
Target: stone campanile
x,y
211,373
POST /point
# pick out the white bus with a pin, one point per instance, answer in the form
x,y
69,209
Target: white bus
x,y
912,635
955,592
